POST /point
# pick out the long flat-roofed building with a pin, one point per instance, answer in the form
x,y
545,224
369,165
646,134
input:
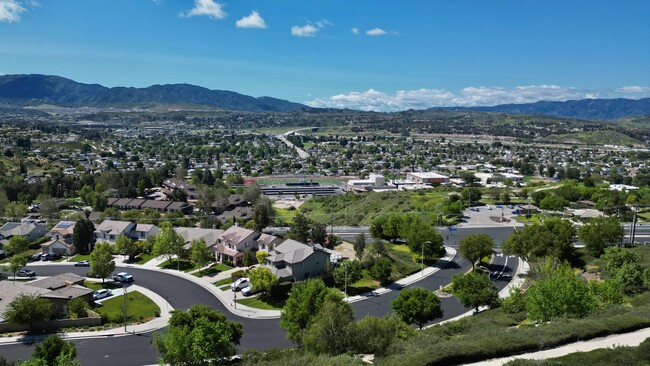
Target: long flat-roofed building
x,y
427,178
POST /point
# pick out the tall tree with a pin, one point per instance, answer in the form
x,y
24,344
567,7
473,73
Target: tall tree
x,y
359,245
253,193
474,289
600,232
319,233
200,254
263,213
54,349
101,261
168,243
124,245
553,237
17,244
305,301
348,272
332,331
475,247
28,309
417,306
83,235
300,228
197,337
16,262
262,279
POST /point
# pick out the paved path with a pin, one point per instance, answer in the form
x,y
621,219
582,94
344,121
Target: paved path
x,y
631,339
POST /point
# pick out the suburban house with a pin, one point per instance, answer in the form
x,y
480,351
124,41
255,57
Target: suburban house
x,y
58,246
190,189
109,230
31,231
161,206
233,243
190,234
61,289
62,230
268,242
295,261
143,231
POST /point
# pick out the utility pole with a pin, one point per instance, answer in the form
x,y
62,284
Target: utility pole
x,y
124,288
633,229
422,257
345,288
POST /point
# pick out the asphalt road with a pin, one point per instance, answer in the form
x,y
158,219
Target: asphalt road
x,y
258,334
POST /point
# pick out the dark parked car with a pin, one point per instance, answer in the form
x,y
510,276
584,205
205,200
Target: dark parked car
x,y
25,273
36,257
50,257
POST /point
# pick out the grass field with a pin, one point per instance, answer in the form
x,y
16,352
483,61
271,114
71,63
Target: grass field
x,y
79,258
138,308
279,181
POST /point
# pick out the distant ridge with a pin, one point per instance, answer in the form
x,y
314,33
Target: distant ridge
x,y
602,109
37,89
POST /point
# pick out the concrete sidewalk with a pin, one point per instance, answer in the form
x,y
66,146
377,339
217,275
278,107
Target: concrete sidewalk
x,y
632,339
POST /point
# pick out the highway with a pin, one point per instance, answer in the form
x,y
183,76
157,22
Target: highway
x,y
258,334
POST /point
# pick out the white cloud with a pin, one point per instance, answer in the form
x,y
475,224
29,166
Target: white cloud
x,y
209,8
355,31
373,100
307,30
633,89
323,23
252,21
10,11
376,32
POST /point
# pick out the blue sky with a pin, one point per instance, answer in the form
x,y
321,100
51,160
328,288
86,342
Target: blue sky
x,y
363,54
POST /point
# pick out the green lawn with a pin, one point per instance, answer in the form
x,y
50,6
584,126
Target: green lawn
x,y
143,258
273,301
274,181
258,303
219,267
225,281
79,258
98,285
645,216
403,248
139,308
185,266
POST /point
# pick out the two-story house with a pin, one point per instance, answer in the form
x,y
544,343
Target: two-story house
x,y
109,230
233,243
295,261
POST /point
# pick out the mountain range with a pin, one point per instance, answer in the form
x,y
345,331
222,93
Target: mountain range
x,y
584,109
35,89
46,89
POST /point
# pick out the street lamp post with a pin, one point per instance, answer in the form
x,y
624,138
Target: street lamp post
x,y
124,295
345,287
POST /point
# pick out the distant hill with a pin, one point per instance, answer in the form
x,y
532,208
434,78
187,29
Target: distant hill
x,y
602,109
36,89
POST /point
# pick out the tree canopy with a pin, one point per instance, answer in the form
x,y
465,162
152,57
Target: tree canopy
x,y
262,279
263,213
553,237
475,247
83,234
168,242
417,306
474,289
600,232
197,337
28,309
101,261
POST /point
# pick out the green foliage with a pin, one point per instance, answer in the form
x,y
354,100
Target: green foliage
x,y
296,357
475,247
625,266
124,245
417,306
474,289
375,335
53,350
559,292
553,202
381,269
82,235
17,244
200,255
28,309
248,258
305,301
350,271
168,242
198,335
263,213
319,233
608,292
300,228
332,331
515,302
261,256
101,260
77,308
16,262
262,279
421,236
359,245
599,233
552,238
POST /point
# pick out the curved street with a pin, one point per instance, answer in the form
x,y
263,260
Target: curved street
x,y
258,333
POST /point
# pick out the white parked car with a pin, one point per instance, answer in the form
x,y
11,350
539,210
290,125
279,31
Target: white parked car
x,y
247,291
100,294
123,277
240,284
